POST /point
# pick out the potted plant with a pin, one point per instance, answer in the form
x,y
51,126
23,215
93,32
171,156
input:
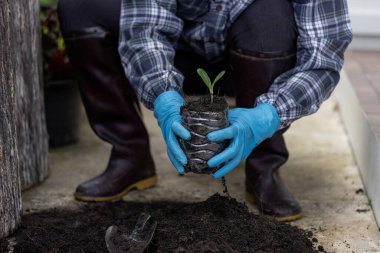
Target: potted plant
x,y
202,115
62,101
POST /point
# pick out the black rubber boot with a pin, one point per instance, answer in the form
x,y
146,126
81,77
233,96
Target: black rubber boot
x,y
264,186
254,73
114,115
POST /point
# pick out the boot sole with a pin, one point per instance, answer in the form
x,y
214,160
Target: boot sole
x,y
250,198
140,185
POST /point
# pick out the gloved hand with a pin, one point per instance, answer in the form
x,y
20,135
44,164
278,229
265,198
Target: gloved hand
x,y
249,127
167,112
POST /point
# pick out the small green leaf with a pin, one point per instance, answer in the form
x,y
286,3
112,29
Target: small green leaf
x,y
61,43
48,1
205,77
45,29
218,77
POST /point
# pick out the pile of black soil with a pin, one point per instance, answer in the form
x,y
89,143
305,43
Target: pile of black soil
x,y
219,224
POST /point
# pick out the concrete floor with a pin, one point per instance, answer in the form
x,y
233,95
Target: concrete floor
x,y
321,173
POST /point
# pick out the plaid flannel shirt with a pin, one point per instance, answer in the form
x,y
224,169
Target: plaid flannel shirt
x,y
149,31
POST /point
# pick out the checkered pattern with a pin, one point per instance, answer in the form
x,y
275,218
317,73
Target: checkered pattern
x,y
149,31
324,34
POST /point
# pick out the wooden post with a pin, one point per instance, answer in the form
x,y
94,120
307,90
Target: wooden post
x,y
31,127
10,191
23,137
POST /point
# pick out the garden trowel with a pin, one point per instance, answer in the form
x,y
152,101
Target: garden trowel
x,y
119,242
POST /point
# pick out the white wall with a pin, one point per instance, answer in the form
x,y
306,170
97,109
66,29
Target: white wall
x,y
364,142
365,18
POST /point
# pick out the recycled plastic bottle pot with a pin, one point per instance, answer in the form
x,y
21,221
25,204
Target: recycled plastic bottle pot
x,y
201,117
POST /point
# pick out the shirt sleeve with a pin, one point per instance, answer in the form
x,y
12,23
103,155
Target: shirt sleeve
x,y
324,34
149,30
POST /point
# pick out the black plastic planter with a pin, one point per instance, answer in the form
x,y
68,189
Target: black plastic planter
x,y
201,117
62,108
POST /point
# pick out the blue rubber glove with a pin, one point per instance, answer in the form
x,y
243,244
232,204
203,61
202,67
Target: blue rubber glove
x,y
249,127
167,112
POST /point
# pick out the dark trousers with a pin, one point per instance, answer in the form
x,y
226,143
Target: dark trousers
x,y
261,44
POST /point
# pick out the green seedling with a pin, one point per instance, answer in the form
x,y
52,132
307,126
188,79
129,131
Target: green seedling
x,y
206,79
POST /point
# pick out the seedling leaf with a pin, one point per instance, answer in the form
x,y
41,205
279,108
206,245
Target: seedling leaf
x,y
204,76
207,81
218,77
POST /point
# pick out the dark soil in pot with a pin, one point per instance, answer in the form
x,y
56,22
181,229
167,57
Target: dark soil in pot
x,y
219,224
201,117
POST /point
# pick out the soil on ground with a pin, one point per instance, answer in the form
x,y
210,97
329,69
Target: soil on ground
x,y
219,224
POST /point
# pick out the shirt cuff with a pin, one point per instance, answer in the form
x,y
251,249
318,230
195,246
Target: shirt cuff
x,y
285,107
159,83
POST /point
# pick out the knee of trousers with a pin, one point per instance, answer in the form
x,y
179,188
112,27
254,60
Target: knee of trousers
x,y
266,26
69,14
75,15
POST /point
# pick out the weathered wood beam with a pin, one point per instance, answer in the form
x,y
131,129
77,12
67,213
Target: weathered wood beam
x,y
31,127
10,191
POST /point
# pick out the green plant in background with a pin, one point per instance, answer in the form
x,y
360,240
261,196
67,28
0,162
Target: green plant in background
x,y
206,79
56,64
43,2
